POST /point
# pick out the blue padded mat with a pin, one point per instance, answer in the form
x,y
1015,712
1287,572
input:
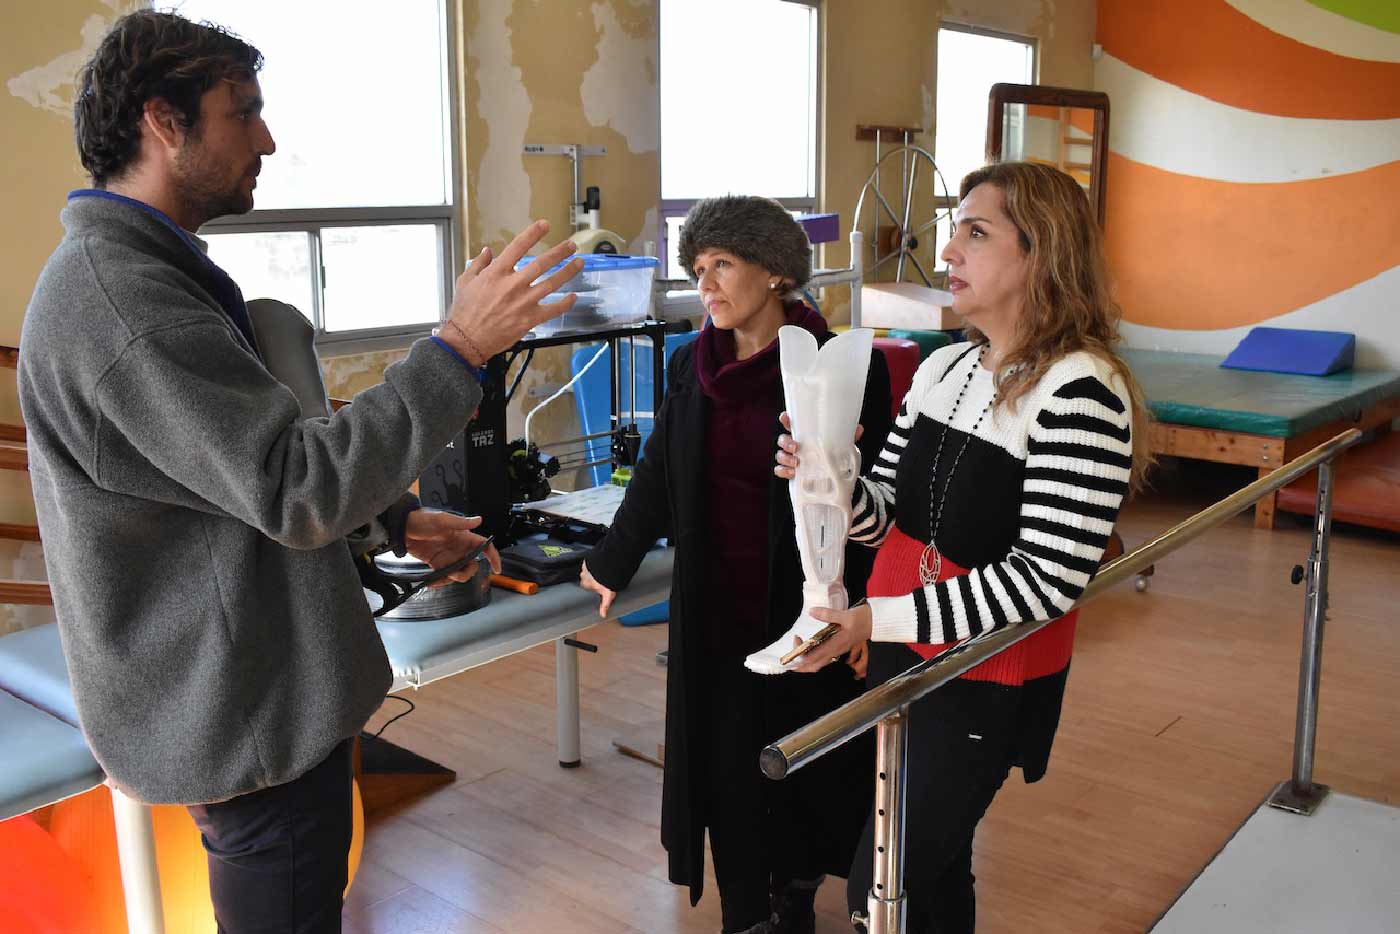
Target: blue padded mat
x,y
32,668
1194,390
421,651
45,759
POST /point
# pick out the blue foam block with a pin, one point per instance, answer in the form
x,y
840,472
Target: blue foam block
x,y
1286,350
820,228
656,613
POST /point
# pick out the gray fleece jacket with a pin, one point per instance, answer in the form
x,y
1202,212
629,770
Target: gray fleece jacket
x,y
194,525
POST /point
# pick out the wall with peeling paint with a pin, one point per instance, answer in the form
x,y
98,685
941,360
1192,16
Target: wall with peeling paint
x,y
41,49
582,71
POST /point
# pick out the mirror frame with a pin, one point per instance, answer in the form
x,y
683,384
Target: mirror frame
x,y
1097,101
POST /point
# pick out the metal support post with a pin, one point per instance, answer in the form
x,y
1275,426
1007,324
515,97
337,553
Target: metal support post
x,y
575,153
855,222
906,190
136,855
615,400
1299,794
658,371
857,274
566,702
886,901
576,205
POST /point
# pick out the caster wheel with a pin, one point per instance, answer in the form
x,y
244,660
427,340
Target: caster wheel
x,y
1140,585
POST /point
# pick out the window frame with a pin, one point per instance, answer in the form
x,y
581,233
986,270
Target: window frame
x,y
444,218
679,207
950,202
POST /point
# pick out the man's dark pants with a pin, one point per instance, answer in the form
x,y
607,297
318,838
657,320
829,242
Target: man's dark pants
x,y
278,858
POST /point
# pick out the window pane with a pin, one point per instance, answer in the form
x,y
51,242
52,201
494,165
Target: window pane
x,y
738,98
381,277
968,66
673,247
267,265
356,99
941,236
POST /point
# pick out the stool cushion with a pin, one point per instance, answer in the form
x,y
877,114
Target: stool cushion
x,y
902,358
928,341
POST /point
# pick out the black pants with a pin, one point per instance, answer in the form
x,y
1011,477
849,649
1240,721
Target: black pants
x,y
962,744
278,858
757,836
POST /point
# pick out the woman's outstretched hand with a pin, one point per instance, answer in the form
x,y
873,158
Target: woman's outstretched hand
x,y
605,596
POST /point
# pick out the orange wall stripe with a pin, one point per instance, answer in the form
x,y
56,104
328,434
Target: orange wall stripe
x,y
1197,253
1210,48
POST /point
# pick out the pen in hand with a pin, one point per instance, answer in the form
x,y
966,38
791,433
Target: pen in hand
x,y
821,636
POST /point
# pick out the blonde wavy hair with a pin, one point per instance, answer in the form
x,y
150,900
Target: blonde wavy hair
x,y
1068,304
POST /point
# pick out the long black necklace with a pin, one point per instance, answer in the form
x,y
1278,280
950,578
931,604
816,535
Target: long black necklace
x,y
931,559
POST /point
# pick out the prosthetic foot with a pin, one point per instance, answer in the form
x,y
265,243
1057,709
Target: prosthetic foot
x,y
823,389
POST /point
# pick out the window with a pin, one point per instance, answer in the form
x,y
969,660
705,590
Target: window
x,y
970,61
354,216
743,125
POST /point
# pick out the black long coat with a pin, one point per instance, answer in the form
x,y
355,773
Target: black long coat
x,y
666,497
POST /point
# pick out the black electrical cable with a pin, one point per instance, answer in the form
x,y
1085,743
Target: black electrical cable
x,y
411,707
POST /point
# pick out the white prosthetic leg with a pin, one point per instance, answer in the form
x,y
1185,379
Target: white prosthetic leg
x,y
824,389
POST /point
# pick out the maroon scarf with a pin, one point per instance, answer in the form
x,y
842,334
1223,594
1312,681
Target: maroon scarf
x,y
745,398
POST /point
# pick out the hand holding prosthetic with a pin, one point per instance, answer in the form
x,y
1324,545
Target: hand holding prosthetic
x,y
823,389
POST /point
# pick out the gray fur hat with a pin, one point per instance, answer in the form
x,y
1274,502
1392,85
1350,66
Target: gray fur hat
x,y
757,230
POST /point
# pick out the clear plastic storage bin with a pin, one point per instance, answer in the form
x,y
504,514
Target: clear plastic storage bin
x,y
612,290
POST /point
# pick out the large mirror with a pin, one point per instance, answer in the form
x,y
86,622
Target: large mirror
x,y
1055,126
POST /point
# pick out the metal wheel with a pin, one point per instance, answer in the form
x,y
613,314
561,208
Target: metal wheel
x,y
898,220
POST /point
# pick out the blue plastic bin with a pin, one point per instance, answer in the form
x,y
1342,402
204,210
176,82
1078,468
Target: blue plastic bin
x,y
591,395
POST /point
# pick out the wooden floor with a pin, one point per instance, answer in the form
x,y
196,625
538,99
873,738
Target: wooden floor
x,y
1178,720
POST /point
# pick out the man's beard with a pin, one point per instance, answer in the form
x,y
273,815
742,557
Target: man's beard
x,y
202,190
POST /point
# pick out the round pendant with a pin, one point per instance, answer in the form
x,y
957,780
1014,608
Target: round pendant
x,y
930,565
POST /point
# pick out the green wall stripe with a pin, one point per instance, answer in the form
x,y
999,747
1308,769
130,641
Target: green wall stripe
x,y
1382,14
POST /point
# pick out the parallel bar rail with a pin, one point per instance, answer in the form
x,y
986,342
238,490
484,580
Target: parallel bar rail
x,y
854,718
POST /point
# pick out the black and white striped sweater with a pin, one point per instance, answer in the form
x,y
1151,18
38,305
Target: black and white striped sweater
x,y
1029,507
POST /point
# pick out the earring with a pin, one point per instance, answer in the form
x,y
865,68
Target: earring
x,y
773,286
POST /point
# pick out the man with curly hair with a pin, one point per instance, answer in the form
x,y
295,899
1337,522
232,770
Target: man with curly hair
x,y
195,526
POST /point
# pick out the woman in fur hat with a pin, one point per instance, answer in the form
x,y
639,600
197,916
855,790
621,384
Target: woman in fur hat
x,y
706,483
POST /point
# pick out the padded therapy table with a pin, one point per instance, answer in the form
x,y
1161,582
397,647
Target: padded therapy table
x,y
46,759
423,651
1262,420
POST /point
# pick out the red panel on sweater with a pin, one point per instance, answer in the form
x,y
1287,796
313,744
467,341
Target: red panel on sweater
x,y
1046,652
